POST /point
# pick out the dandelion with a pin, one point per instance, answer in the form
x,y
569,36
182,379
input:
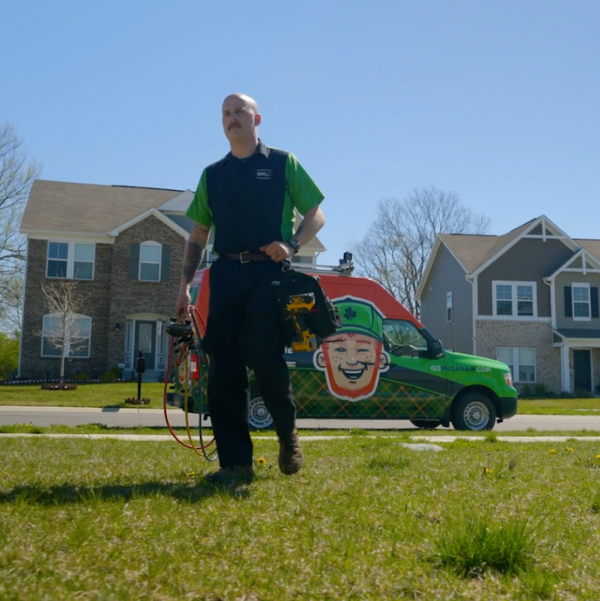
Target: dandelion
x,y
487,471
552,451
261,461
570,450
190,474
597,456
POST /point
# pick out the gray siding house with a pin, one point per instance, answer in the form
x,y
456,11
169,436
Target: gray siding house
x,y
123,246
528,298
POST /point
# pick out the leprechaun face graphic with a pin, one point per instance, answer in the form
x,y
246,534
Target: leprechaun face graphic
x,y
353,358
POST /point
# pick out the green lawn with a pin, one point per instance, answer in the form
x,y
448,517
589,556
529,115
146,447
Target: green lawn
x,y
86,395
114,395
366,519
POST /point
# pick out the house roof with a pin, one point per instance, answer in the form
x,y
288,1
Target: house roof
x,y
87,208
472,251
592,246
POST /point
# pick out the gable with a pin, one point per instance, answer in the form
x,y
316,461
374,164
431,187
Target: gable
x,y
86,208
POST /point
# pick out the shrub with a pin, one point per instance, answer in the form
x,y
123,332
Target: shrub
x,y
9,356
112,374
81,377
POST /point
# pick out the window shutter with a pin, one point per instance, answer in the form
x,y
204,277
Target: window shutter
x,y
568,302
594,299
165,267
134,265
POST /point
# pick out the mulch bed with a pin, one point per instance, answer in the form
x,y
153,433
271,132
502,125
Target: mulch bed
x,y
132,401
47,386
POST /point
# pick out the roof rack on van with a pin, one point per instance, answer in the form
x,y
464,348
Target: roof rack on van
x,y
345,267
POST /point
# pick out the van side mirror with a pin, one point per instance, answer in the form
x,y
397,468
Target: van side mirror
x,y
436,349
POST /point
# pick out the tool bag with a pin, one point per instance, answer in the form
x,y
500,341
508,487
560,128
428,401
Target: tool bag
x,y
323,320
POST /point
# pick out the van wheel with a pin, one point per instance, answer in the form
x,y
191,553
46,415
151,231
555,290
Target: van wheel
x,y
259,417
473,411
427,424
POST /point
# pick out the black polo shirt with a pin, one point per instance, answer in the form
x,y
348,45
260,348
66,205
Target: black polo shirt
x,y
250,202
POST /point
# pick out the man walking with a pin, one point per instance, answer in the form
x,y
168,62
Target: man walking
x,y
249,198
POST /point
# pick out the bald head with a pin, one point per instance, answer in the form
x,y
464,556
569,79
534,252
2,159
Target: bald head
x,y
240,123
243,98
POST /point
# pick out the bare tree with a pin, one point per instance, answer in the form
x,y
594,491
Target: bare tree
x,y
396,247
65,329
17,173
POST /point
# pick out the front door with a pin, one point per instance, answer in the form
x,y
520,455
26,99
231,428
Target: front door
x,y
145,341
582,365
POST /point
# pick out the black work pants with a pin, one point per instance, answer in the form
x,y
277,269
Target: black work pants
x,y
244,329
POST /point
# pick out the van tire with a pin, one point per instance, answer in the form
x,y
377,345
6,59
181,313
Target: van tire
x,y
259,417
473,411
426,424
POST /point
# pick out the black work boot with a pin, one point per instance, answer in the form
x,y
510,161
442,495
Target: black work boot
x,y
291,456
227,475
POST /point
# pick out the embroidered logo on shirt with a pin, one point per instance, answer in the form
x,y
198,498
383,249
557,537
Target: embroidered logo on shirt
x,y
263,174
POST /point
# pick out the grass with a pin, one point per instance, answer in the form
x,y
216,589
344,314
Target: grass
x,y
86,395
560,406
366,519
114,395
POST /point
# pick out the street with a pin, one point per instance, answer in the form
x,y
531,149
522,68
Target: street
x,y
114,417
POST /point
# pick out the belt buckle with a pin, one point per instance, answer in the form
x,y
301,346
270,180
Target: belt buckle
x,y
242,257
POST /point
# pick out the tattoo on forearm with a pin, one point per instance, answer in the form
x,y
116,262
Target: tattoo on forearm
x,y
193,256
299,230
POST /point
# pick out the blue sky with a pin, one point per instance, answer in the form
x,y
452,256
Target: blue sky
x,y
497,101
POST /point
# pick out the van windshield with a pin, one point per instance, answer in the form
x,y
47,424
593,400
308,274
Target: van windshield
x,y
397,333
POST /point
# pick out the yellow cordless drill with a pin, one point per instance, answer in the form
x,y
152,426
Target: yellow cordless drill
x,y
297,305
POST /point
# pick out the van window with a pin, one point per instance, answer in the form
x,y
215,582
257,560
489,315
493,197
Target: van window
x,y
398,332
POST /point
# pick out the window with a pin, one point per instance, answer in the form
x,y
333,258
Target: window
x,y
581,302
397,332
70,260
150,259
515,299
448,306
71,332
521,361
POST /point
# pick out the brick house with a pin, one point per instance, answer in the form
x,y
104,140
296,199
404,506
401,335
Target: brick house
x,y
528,298
124,248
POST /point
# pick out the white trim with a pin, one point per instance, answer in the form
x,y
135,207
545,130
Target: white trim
x,y
569,242
516,364
68,355
148,244
565,368
474,290
160,216
511,319
84,237
449,307
514,299
70,260
589,301
585,257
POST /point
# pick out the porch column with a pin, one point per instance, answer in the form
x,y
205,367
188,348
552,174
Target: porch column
x,y
565,368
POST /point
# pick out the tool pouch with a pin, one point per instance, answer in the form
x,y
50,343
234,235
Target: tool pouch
x,y
323,320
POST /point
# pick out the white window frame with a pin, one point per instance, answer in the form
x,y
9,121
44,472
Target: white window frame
x,y
589,301
449,307
147,244
515,366
68,354
70,260
515,302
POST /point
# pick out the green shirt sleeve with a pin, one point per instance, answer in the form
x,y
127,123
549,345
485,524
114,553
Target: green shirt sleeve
x,y
303,191
199,210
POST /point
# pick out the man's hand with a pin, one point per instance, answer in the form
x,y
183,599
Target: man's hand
x,y
278,251
184,300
